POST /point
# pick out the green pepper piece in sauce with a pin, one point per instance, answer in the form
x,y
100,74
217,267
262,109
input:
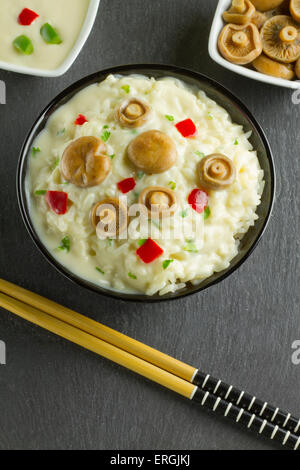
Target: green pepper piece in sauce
x,y
50,35
23,45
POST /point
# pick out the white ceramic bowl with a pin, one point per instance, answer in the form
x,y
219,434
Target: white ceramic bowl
x,y
83,35
216,28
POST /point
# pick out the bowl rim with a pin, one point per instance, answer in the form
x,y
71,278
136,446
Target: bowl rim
x,y
217,25
100,76
80,41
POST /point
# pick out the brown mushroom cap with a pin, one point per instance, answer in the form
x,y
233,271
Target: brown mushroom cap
x,y
133,113
113,213
152,152
269,66
297,68
280,38
240,44
159,201
84,163
265,5
240,12
216,171
259,19
295,10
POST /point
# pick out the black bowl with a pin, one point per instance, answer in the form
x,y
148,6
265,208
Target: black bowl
x,y
215,91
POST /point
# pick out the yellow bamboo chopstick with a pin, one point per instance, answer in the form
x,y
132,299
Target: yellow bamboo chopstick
x,y
80,337
138,349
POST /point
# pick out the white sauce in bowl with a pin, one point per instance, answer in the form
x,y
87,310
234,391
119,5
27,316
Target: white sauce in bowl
x,y
66,16
232,211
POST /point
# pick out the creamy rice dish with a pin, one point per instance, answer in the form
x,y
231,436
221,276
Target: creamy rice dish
x,y
159,143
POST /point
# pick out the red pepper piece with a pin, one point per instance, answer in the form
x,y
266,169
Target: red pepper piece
x,y
186,128
149,251
80,120
198,199
57,201
126,185
26,17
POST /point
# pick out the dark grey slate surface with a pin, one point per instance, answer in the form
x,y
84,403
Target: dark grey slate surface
x,y
56,395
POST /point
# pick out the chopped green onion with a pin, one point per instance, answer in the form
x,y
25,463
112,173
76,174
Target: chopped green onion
x,y
126,88
65,244
167,263
40,192
109,241
206,213
65,182
50,35
56,163
136,194
140,175
142,241
209,116
236,142
184,213
61,132
100,270
169,117
190,247
105,136
132,276
172,185
35,150
200,154
105,127
134,131
112,156
23,45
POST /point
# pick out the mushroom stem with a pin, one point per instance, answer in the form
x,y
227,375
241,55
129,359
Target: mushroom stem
x,y
240,39
288,34
238,6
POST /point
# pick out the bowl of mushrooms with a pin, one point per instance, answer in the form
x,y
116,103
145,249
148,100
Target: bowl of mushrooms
x,y
146,182
259,39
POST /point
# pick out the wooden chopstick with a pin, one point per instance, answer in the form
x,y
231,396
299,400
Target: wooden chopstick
x,y
89,341
157,358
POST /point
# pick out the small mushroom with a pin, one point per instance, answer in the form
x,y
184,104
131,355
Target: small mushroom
x,y
295,10
297,68
240,44
152,152
269,66
114,217
133,113
280,38
240,12
265,5
159,201
84,162
216,172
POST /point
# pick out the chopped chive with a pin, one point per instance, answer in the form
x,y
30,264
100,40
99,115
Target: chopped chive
x,y
35,150
65,244
56,163
106,126
200,154
109,241
23,45
134,131
140,175
65,182
112,156
50,35
169,117
209,116
132,276
40,192
167,263
236,142
126,88
60,132
172,185
105,136
100,270
142,241
190,247
136,194
206,213
184,213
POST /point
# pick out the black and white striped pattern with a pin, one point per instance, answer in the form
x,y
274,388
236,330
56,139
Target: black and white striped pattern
x,y
247,419
262,410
